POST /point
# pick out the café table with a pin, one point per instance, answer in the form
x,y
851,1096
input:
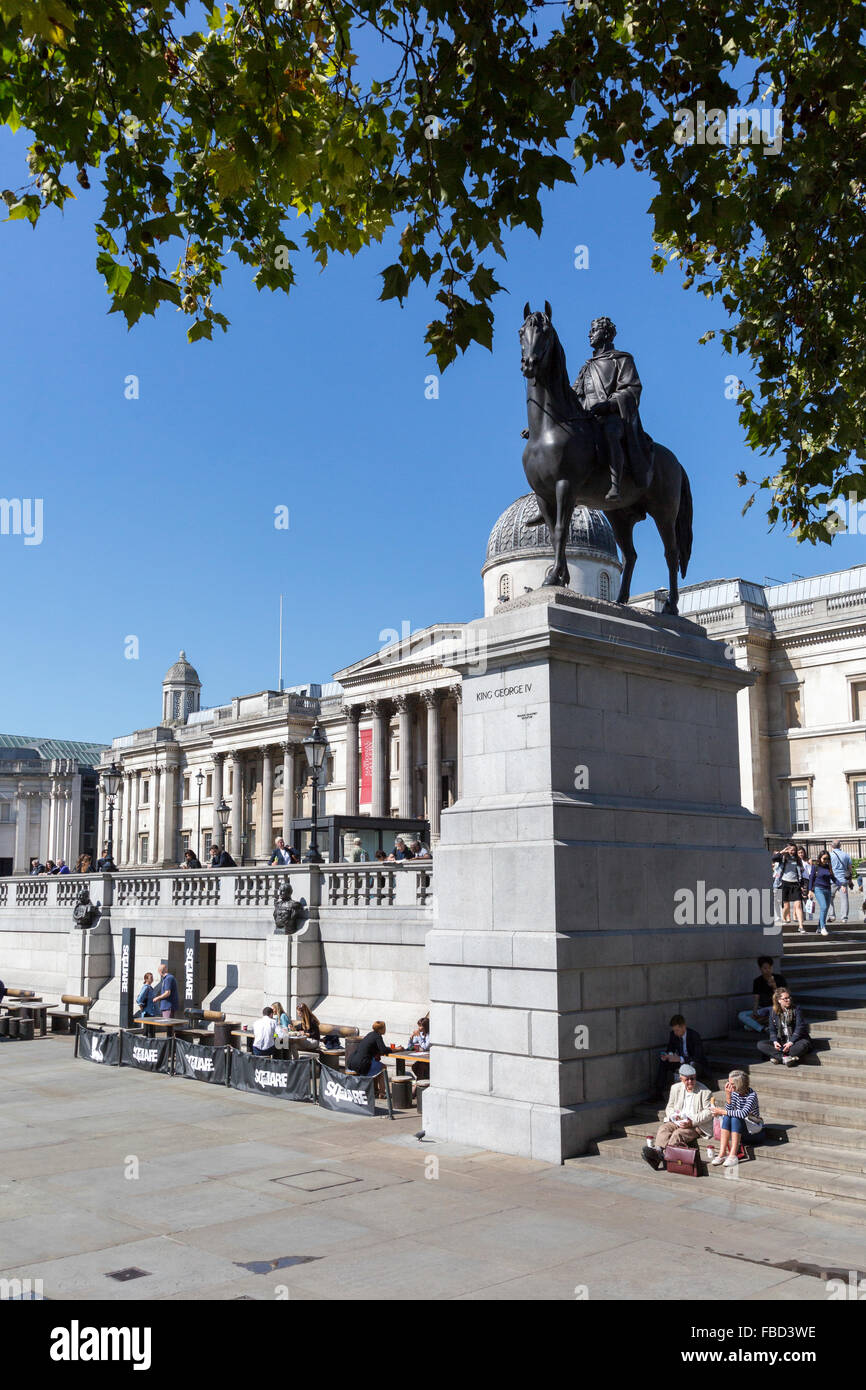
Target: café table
x,y
37,1010
167,1023
401,1058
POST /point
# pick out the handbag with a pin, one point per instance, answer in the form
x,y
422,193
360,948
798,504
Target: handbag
x,y
281,1034
679,1159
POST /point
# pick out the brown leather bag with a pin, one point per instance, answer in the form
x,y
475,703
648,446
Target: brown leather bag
x,y
680,1159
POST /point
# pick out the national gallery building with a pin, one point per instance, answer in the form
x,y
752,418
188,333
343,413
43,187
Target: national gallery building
x,y
393,720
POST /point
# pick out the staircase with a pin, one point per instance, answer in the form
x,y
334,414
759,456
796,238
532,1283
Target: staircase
x,y
820,1105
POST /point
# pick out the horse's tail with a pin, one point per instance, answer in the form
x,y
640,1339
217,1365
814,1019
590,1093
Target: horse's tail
x,y
684,523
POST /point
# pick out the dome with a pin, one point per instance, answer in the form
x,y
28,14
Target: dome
x,y
182,671
590,533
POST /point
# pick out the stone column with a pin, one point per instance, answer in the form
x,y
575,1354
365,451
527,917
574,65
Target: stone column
x,y
404,725
134,791
169,836
457,695
434,762
21,862
379,711
237,815
288,790
44,824
155,854
352,713
266,830
216,797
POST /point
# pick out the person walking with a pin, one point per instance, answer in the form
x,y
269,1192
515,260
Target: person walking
x,y
843,878
789,1032
791,878
821,886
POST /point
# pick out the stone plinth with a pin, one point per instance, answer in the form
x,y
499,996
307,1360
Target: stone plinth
x,y
600,780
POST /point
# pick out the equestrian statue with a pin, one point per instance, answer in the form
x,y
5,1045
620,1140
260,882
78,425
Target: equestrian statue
x,y
586,447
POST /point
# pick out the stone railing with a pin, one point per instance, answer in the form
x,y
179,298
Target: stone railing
x,y
331,885
33,892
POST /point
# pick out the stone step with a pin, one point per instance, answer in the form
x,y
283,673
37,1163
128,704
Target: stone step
x,y
837,1070
795,1174
825,977
824,1050
833,1158
843,1022
805,1083
836,1135
823,947
782,1198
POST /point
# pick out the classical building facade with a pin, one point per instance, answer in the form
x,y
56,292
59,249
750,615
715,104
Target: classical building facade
x,y
802,724
47,800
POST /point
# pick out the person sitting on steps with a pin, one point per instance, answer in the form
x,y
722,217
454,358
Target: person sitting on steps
x,y
688,1115
789,1032
740,1119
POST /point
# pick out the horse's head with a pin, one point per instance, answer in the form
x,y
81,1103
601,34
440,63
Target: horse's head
x,y
537,337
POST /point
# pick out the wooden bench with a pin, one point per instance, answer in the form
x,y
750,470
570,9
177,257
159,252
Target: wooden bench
x,y
63,1020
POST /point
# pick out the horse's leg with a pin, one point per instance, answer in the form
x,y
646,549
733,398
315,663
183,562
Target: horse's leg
x,y
548,516
564,510
668,532
622,524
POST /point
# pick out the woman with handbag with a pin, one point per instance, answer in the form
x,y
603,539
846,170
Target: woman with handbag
x,y
740,1119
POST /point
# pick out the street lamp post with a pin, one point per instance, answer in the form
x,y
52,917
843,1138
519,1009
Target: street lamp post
x,y
315,747
110,783
199,780
223,811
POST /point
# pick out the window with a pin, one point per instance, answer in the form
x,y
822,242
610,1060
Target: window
x,y
792,708
5,812
505,588
231,779
604,585
208,841
395,755
186,789
145,796
858,701
860,805
208,785
184,841
251,842
798,800
143,841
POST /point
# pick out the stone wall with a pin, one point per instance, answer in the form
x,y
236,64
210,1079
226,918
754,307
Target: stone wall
x,y
359,956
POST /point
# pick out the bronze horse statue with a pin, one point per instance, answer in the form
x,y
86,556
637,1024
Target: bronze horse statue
x,y
564,467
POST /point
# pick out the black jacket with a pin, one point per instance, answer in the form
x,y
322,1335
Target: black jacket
x,y
694,1047
800,1030
225,861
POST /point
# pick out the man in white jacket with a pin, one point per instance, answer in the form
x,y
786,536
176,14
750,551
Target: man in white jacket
x,y
688,1115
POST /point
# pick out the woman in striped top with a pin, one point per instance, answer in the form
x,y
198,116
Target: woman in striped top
x,y
740,1117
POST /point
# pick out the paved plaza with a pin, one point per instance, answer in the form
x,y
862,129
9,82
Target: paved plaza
x,y
214,1194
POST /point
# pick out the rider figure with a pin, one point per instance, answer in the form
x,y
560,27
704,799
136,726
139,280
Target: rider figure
x,y
609,387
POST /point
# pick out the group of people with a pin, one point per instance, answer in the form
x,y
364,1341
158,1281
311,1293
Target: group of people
x,y
160,999
690,1111
802,885
363,1056
83,865
356,854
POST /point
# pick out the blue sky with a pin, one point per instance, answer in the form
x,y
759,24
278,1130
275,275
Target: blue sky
x,y
159,512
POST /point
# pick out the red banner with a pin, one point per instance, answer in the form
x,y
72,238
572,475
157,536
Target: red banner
x,y
366,767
